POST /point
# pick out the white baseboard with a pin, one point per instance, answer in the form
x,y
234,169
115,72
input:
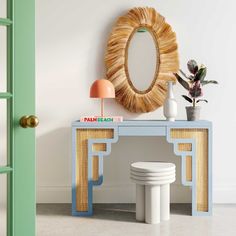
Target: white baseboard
x,y
125,193
53,194
224,194
115,193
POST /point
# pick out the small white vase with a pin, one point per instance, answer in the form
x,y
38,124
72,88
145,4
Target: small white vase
x,y
170,104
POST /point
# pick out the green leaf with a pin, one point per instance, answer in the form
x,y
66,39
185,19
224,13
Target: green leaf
x,y
182,81
201,74
184,74
187,98
192,66
202,100
209,82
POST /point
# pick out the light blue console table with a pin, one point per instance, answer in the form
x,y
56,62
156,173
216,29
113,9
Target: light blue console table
x,y
192,141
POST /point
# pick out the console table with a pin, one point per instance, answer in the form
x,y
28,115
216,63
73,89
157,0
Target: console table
x,y
192,141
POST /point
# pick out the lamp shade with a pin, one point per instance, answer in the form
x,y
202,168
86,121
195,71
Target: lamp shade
x,y
102,88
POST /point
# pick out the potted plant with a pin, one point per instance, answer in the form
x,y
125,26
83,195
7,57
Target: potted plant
x,y
193,83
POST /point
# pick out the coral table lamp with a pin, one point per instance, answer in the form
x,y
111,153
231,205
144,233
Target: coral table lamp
x,y
102,88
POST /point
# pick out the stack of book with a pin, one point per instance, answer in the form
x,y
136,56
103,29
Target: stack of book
x,y
101,119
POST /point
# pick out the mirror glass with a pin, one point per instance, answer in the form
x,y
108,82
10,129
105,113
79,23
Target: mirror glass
x,y
3,8
3,205
142,60
3,59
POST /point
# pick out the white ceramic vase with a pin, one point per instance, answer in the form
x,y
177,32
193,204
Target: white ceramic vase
x,y
170,104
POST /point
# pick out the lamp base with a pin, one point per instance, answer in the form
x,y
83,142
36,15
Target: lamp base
x,y
102,107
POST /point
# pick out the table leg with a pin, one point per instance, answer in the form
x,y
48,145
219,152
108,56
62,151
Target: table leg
x,y
82,191
202,203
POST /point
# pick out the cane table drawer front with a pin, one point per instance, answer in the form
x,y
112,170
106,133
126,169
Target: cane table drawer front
x,y
191,141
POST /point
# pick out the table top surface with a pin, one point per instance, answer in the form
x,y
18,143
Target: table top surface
x,y
143,123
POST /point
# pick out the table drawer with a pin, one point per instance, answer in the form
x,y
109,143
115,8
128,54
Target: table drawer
x,y
142,131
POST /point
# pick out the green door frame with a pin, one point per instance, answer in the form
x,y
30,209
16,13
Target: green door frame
x,y
20,95
24,203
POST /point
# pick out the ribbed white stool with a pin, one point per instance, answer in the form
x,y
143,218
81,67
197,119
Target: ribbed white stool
x,y
152,190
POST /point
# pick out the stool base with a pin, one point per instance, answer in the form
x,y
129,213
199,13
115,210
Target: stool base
x,y
165,202
152,203
140,200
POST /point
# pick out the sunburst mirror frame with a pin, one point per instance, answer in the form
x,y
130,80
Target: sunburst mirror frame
x,y
116,59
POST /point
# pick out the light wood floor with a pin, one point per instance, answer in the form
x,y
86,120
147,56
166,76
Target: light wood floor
x,y
119,220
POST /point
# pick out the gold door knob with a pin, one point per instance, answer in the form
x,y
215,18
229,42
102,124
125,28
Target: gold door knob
x,y
29,121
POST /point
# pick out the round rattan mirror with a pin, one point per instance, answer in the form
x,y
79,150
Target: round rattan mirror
x,y
116,59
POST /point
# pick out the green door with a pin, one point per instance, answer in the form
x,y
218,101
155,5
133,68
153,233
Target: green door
x,y
19,94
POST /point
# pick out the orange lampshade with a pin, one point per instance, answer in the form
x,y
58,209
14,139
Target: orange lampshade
x,y
102,88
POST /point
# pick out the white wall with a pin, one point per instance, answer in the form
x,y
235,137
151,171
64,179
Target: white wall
x,y
71,38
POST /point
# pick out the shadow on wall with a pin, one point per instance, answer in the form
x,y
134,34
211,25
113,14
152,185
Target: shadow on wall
x,y
117,187
104,34
54,158
54,168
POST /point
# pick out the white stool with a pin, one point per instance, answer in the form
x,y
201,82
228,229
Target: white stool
x,y
152,190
